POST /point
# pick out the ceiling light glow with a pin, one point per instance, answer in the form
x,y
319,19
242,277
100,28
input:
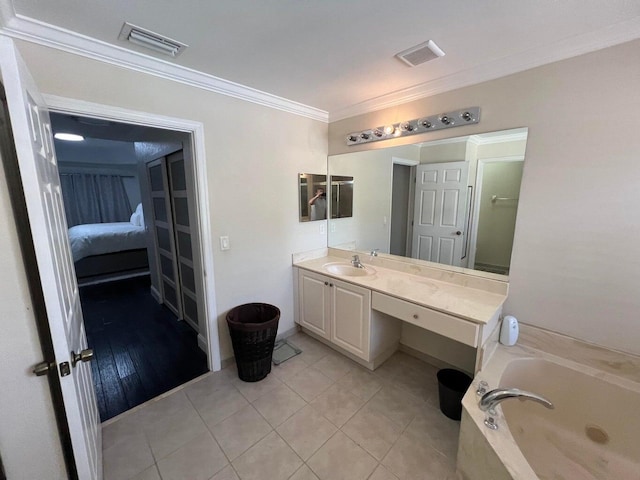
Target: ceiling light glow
x,y
68,137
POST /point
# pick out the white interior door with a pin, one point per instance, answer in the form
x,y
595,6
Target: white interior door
x,y
41,182
440,212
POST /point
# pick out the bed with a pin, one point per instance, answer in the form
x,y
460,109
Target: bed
x,y
106,248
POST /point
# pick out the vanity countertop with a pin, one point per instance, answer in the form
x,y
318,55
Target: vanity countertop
x,y
465,302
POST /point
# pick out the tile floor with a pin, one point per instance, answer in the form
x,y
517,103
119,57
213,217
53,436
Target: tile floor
x,y
317,416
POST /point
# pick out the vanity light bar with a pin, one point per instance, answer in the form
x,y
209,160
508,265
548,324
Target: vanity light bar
x,y
457,118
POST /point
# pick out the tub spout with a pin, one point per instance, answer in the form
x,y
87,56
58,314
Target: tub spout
x,y
490,400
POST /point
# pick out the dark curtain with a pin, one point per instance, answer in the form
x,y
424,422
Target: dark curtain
x,y
91,198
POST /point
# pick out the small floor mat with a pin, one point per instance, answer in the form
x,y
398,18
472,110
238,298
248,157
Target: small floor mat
x,y
283,351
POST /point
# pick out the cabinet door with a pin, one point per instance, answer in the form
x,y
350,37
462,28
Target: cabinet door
x,y
314,302
351,318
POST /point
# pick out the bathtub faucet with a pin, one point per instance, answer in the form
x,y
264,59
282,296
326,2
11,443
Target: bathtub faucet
x,y
490,400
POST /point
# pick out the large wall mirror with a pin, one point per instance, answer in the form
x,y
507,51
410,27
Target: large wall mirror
x,y
451,201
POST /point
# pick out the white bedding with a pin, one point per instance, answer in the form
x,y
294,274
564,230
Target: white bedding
x,y
101,238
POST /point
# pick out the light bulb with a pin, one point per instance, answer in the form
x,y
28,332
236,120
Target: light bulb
x,y
389,129
69,137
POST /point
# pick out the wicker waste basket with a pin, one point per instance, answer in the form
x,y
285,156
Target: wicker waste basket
x,y
253,329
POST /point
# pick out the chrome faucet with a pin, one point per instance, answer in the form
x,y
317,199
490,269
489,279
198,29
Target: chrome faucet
x,y
374,252
355,261
490,400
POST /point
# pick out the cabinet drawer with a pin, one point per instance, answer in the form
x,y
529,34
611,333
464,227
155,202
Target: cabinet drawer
x,y
440,323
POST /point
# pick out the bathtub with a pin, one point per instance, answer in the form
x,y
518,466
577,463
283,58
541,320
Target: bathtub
x,y
592,433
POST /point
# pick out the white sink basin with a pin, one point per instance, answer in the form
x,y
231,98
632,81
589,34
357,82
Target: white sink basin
x,y
347,270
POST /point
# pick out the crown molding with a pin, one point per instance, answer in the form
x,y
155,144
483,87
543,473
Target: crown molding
x,y
25,28
578,45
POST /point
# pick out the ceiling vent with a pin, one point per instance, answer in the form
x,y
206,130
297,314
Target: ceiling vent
x,y
151,40
420,54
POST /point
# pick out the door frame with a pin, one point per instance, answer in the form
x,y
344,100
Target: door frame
x,y
477,195
72,106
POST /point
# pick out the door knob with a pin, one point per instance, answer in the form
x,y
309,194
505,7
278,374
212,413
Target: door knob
x,y
458,232
85,355
42,368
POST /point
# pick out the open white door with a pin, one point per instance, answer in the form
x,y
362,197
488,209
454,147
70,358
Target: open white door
x,y
41,182
440,212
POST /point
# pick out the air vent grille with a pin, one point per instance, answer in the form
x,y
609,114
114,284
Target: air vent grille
x,y
151,40
420,54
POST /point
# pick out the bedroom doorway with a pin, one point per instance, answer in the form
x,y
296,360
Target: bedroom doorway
x,y
142,346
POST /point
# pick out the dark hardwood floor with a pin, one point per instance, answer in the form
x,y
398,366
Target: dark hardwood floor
x,y
141,349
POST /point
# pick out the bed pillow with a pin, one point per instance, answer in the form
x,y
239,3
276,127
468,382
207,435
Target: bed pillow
x,y
135,219
140,215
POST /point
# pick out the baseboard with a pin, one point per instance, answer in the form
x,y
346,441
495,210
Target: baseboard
x,y
227,362
155,293
203,344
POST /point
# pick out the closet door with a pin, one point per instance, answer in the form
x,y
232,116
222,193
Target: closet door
x,y
164,234
185,229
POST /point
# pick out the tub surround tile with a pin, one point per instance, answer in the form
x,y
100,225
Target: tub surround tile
x,y
620,364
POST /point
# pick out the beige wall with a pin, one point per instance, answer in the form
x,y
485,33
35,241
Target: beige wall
x,y
576,258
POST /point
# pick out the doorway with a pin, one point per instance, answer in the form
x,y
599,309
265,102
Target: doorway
x,y
142,318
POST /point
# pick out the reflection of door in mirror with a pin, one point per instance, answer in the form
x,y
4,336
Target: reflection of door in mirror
x,y
440,212
387,188
341,196
312,190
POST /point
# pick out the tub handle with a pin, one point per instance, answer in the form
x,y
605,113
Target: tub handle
x,y
482,388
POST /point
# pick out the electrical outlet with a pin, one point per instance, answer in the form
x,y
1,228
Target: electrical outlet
x,y
224,243
333,227
322,228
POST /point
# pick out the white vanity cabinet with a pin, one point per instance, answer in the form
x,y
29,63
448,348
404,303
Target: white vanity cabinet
x,y
336,311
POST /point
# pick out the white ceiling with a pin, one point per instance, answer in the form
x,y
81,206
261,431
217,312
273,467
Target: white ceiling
x,y
338,55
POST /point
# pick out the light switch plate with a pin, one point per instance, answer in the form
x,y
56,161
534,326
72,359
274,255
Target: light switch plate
x,y
224,243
